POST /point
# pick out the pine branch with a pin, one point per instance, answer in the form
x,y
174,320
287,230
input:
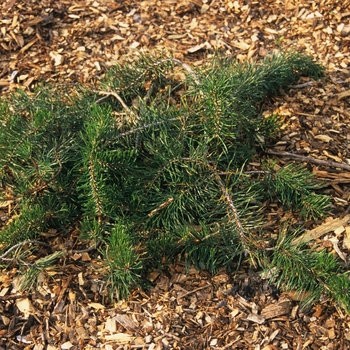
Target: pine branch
x,y
327,163
294,186
234,212
309,273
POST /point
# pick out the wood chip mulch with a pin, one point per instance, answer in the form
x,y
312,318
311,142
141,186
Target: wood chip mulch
x,y
66,41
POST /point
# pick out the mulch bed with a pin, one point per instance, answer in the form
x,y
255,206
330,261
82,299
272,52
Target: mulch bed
x,y
66,42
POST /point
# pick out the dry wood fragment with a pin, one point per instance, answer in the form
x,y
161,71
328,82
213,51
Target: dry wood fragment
x,y
25,305
300,86
12,297
327,163
26,47
333,178
256,318
126,322
281,308
193,291
322,229
64,286
119,338
343,94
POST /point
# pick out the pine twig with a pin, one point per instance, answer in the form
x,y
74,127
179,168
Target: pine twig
x,y
194,291
11,297
89,249
327,163
234,211
3,256
300,86
31,241
144,127
114,94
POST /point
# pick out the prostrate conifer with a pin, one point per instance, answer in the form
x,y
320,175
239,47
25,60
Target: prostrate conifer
x,y
151,167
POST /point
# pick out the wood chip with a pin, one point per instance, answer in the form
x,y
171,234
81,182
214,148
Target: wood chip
x,y
256,318
276,310
321,230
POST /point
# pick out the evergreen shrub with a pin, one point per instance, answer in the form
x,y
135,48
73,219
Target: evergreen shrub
x,y
151,167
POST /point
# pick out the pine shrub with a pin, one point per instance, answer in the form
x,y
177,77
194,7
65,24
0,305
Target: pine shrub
x,y
151,167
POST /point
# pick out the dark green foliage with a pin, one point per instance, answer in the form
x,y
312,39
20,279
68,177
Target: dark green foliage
x,y
153,167
122,260
294,187
310,274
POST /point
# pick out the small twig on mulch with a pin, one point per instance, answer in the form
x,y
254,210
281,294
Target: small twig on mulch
x,y
30,241
3,256
89,249
327,163
194,291
300,86
12,297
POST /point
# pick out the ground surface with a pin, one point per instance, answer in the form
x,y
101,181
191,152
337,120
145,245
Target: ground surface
x,y
76,41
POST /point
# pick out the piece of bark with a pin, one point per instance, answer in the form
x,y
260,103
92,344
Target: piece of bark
x,y
321,230
281,308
